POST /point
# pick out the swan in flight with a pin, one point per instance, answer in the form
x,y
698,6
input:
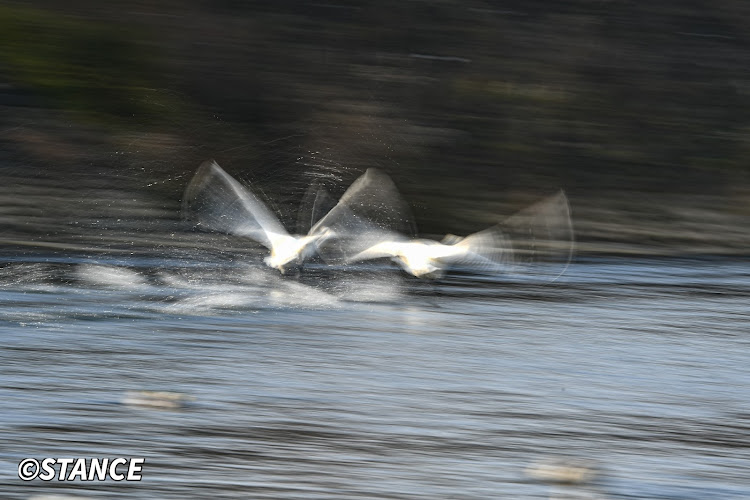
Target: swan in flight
x,y
220,203
539,232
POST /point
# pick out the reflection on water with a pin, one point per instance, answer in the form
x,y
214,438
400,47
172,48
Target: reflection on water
x,y
341,384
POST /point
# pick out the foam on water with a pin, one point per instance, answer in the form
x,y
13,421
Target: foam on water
x,y
111,276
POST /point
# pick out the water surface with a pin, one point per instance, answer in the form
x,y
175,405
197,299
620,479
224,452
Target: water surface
x,y
358,385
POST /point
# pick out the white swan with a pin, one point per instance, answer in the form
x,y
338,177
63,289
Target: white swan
x,y
430,258
220,203
540,231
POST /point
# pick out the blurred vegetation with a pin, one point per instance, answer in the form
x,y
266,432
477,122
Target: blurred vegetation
x,y
99,69
461,101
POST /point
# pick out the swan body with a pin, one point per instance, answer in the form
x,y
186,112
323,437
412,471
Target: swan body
x,y
289,249
425,258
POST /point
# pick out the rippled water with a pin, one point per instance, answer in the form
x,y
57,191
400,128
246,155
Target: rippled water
x,y
369,385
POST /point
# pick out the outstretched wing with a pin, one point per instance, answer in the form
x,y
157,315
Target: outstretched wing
x,y
487,250
542,233
371,211
316,203
538,238
219,203
377,251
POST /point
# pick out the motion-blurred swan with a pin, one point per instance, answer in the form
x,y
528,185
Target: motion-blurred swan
x,y
220,203
429,258
540,231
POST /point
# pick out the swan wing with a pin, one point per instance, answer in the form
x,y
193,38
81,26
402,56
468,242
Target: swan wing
x,y
354,238
539,237
379,250
315,204
542,234
219,203
371,211
487,250
372,197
